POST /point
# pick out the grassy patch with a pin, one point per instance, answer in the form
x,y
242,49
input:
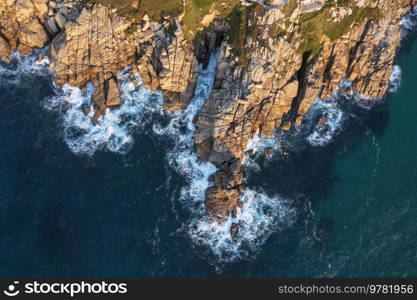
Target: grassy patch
x,y
193,14
316,24
194,11
313,26
136,9
290,7
238,22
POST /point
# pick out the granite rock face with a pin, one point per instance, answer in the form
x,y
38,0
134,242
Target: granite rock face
x,y
271,82
93,49
92,44
279,83
168,63
97,45
29,24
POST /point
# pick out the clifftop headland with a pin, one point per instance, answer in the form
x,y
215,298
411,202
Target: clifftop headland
x,y
276,57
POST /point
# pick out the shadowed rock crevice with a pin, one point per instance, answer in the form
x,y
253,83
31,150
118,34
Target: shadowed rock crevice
x,y
275,59
265,94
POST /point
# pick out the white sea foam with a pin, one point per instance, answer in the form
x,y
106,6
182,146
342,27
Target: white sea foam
x,y
395,79
324,133
261,216
409,21
180,129
333,113
260,146
111,132
21,66
345,92
195,172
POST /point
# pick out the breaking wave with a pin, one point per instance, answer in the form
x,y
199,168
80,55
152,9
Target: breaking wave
x,y
332,118
180,130
409,21
111,132
260,217
395,79
261,214
22,66
259,147
326,118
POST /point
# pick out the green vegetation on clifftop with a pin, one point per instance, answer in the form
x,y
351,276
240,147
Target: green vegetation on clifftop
x,y
136,9
193,13
315,25
196,18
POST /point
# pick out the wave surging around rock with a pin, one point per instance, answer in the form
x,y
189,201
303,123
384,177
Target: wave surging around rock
x,y
23,66
330,124
112,131
261,216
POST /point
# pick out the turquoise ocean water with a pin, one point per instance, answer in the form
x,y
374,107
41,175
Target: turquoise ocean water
x,y
124,197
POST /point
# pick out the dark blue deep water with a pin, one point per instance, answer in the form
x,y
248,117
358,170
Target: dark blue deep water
x,y
350,206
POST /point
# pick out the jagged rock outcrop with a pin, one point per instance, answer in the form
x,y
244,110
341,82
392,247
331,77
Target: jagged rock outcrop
x,y
95,43
276,57
94,48
280,81
169,64
29,24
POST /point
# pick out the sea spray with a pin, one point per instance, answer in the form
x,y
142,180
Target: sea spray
x,y
326,117
23,66
112,131
180,129
334,117
261,216
395,79
259,147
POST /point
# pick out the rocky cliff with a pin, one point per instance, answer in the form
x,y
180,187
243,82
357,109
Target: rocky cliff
x,y
276,57
290,58
91,43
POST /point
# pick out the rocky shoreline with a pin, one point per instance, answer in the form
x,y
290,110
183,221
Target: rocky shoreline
x,y
272,66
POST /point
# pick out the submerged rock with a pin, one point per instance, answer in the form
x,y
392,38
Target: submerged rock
x,y
234,230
